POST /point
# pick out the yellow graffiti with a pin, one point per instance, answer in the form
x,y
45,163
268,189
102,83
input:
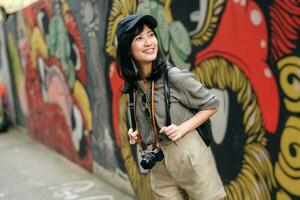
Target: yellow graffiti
x,y
287,169
120,9
255,179
167,7
290,82
82,97
16,64
282,195
214,9
38,45
65,6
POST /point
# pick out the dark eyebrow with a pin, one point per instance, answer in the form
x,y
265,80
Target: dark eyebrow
x,y
137,35
140,34
150,31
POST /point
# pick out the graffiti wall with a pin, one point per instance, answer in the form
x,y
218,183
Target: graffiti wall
x,y
62,57
7,112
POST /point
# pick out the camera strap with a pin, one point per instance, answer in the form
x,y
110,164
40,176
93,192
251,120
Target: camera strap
x,y
132,102
153,116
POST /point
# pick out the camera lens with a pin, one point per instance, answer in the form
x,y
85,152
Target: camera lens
x,y
159,155
150,159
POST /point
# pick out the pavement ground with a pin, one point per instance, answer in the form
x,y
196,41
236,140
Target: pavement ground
x,y
30,170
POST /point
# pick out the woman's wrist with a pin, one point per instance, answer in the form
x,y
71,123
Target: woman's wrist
x,y
184,128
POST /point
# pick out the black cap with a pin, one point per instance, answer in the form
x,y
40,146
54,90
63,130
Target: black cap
x,y
130,21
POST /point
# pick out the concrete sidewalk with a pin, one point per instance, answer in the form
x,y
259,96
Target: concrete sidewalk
x,y
31,171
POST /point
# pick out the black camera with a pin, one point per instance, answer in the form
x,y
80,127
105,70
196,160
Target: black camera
x,y
151,157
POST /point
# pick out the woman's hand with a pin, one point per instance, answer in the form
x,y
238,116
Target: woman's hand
x,y
173,131
133,136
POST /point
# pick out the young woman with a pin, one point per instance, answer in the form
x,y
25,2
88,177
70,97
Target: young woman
x,y
188,167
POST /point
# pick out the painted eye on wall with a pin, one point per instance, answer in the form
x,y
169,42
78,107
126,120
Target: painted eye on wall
x,y
74,54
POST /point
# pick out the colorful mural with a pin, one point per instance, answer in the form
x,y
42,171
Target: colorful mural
x,y
7,112
62,57
229,47
2,88
49,73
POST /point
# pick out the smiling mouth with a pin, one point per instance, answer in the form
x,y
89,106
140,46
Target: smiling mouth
x,y
149,51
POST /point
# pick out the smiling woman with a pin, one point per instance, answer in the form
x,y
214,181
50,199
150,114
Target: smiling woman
x,y
144,50
169,149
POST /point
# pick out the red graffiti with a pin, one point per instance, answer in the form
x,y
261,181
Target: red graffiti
x,y
47,121
116,84
242,39
75,35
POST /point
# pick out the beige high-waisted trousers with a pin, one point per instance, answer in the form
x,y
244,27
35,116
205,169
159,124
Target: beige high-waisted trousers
x,y
188,169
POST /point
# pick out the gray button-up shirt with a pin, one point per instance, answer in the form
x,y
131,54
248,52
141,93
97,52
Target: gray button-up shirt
x,y
186,93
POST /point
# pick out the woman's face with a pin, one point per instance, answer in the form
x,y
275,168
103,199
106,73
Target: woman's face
x,y
144,47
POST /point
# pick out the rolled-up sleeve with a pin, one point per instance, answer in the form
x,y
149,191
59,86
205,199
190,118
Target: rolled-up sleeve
x,y
190,92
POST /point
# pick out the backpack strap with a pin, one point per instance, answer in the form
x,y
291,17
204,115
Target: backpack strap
x,y
167,96
133,117
132,110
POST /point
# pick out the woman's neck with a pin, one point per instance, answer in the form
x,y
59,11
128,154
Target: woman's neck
x,y
145,70
144,84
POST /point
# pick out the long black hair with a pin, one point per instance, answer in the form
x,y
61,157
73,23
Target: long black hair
x,y
125,65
